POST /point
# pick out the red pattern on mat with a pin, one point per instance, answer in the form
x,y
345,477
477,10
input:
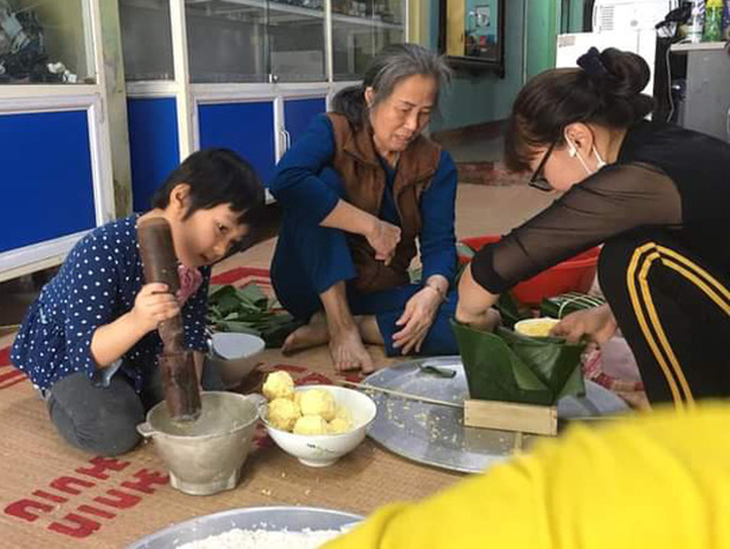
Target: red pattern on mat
x,y
69,489
9,375
260,276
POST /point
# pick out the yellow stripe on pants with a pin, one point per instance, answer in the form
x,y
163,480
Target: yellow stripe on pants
x,y
657,324
721,297
692,272
639,313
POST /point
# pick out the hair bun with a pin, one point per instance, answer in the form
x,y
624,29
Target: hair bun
x,y
629,73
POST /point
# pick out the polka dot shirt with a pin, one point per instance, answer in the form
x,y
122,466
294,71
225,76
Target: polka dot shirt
x,y
97,284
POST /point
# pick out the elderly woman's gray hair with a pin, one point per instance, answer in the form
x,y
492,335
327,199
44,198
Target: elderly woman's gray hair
x,y
386,70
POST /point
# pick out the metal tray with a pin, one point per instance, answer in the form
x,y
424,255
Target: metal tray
x,y
293,519
435,435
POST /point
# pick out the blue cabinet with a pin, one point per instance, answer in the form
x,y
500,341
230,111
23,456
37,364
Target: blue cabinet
x,y
298,114
245,127
153,146
48,175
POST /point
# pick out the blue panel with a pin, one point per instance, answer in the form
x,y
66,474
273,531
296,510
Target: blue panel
x,y
46,174
153,146
298,114
247,128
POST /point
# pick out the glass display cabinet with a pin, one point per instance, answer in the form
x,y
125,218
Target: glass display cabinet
x,y
361,29
92,88
54,140
244,74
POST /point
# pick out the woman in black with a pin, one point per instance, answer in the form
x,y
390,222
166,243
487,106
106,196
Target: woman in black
x,y
655,195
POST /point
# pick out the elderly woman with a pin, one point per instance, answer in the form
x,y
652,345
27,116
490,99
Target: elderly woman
x,y
655,195
363,191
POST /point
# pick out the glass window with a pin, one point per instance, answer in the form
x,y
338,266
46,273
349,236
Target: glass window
x,y
146,40
296,38
45,42
227,40
362,29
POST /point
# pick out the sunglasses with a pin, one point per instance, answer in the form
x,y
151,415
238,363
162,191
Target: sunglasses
x,y
538,180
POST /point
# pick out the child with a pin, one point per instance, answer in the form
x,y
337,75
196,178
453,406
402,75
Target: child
x,y
89,342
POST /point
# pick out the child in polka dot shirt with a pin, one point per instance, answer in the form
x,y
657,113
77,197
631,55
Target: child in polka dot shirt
x,y
89,342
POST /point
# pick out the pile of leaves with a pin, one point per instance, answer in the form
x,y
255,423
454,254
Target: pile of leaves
x,y
248,310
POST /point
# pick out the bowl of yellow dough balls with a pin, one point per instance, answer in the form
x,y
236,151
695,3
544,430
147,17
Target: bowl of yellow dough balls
x,y
536,327
317,424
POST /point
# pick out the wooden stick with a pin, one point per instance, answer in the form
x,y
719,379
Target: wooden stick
x,y
547,426
402,395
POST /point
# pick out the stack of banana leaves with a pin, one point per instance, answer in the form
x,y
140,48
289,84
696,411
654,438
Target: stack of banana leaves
x,y
250,311
511,367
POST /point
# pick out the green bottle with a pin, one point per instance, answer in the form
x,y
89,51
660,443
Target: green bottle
x,y
713,21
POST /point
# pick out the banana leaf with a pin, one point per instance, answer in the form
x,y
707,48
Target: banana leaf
x,y
437,371
510,367
249,310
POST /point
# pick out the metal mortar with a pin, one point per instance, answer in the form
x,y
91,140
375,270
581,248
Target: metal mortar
x,y
204,456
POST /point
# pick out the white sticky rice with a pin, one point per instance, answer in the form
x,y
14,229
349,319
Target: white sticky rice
x,y
265,539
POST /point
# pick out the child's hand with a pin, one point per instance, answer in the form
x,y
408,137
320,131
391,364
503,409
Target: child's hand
x,y
154,304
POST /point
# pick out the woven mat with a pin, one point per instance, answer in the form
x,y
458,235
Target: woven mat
x,y
52,495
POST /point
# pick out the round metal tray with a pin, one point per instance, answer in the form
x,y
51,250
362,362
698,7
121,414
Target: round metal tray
x,y
435,435
293,519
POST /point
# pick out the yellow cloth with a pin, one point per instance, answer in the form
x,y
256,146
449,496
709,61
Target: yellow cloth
x,y
661,480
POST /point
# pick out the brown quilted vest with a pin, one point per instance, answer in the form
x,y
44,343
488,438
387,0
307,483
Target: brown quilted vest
x,y
364,178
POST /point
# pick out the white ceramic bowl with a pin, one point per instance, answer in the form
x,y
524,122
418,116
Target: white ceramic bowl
x,y
524,326
235,354
324,450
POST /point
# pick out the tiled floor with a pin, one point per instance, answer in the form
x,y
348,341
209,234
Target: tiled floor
x,y
484,144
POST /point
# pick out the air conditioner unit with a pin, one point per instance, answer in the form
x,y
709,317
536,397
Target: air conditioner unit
x,y
630,15
624,24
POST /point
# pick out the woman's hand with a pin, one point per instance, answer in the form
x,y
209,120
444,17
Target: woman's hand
x,y
417,319
383,237
154,304
475,304
597,323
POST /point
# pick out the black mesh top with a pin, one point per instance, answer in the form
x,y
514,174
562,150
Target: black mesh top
x,y
665,177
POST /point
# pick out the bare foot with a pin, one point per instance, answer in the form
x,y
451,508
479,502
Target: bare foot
x,y
310,335
349,353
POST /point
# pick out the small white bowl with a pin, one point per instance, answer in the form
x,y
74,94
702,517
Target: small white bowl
x,y
324,450
235,354
523,326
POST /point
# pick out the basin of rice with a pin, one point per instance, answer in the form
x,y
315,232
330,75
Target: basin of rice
x,y
265,539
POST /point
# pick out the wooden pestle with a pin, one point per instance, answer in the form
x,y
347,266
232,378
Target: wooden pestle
x,y
177,365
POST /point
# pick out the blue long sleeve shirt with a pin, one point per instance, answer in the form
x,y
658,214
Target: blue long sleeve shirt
x,y
306,185
97,283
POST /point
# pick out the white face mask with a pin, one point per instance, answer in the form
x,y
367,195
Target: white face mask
x,y
573,151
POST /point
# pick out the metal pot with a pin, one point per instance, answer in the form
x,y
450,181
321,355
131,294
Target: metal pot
x,y
204,456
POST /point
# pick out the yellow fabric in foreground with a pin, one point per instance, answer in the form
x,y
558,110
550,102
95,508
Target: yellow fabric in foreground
x,y
660,480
